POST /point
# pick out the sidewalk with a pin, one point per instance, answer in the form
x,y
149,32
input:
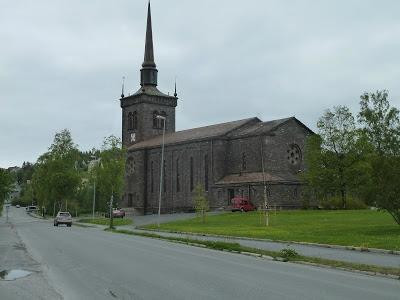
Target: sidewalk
x,y
14,256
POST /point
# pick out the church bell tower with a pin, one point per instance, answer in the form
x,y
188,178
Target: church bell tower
x,y
141,111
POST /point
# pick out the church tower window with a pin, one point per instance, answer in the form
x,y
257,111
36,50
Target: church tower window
x,y
130,121
134,120
155,119
161,121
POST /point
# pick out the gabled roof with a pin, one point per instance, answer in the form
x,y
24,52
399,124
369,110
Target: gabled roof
x,y
194,134
245,127
265,127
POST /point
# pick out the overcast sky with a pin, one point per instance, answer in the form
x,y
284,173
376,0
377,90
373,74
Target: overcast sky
x,y
61,62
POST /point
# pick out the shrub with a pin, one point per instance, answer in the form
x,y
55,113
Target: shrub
x,y
335,202
288,253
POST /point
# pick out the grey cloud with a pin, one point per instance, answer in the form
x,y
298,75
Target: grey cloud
x,y
61,62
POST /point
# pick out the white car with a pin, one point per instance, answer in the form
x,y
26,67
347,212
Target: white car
x,y
17,206
63,217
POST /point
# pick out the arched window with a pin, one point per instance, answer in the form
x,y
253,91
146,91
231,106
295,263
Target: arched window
x,y
134,120
152,177
244,164
178,184
155,119
130,121
191,174
161,123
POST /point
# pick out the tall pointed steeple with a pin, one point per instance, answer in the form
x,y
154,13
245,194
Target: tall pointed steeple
x,y
148,73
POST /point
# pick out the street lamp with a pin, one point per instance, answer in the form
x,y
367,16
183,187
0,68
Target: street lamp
x,y
95,161
161,168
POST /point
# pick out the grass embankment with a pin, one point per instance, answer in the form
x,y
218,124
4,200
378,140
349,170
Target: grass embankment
x,y
106,221
284,255
357,228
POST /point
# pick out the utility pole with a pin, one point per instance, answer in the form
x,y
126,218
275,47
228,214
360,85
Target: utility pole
x,y
162,168
95,161
111,209
94,197
266,205
7,208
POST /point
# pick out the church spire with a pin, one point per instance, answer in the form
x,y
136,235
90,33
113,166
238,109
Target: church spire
x,y
149,70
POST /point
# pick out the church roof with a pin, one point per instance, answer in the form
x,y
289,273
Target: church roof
x,y
194,134
245,127
264,127
258,177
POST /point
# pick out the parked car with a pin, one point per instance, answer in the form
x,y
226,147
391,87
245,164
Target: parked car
x,y
117,213
63,217
17,206
242,204
31,208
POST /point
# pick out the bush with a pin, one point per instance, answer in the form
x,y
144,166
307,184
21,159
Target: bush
x,y
288,253
335,202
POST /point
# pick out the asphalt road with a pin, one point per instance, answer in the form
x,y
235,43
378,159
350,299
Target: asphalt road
x,y
87,263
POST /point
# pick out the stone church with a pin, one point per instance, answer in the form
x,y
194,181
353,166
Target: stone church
x,y
230,159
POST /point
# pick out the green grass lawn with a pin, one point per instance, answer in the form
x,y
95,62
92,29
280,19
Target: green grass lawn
x,y
106,221
359,228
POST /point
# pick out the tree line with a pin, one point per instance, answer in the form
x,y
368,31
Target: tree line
x,y
357,158
65,178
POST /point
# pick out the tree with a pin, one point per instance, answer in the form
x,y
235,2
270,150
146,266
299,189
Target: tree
x,y
201,202
110,173
25,173
56,176
381,125
6,184
333,157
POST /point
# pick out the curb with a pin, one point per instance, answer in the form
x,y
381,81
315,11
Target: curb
x,y
350,248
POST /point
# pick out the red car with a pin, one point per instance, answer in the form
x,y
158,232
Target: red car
x,y
117,213
242,204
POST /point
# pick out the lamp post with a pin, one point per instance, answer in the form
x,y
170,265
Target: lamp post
x,y
161,168
95,161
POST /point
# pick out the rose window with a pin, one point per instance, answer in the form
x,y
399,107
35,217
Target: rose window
x,y
294,155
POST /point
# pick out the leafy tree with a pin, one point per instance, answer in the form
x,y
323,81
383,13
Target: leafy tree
x,y
201,202
56,177
6,183
333,157
110,172
25,173
381,125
